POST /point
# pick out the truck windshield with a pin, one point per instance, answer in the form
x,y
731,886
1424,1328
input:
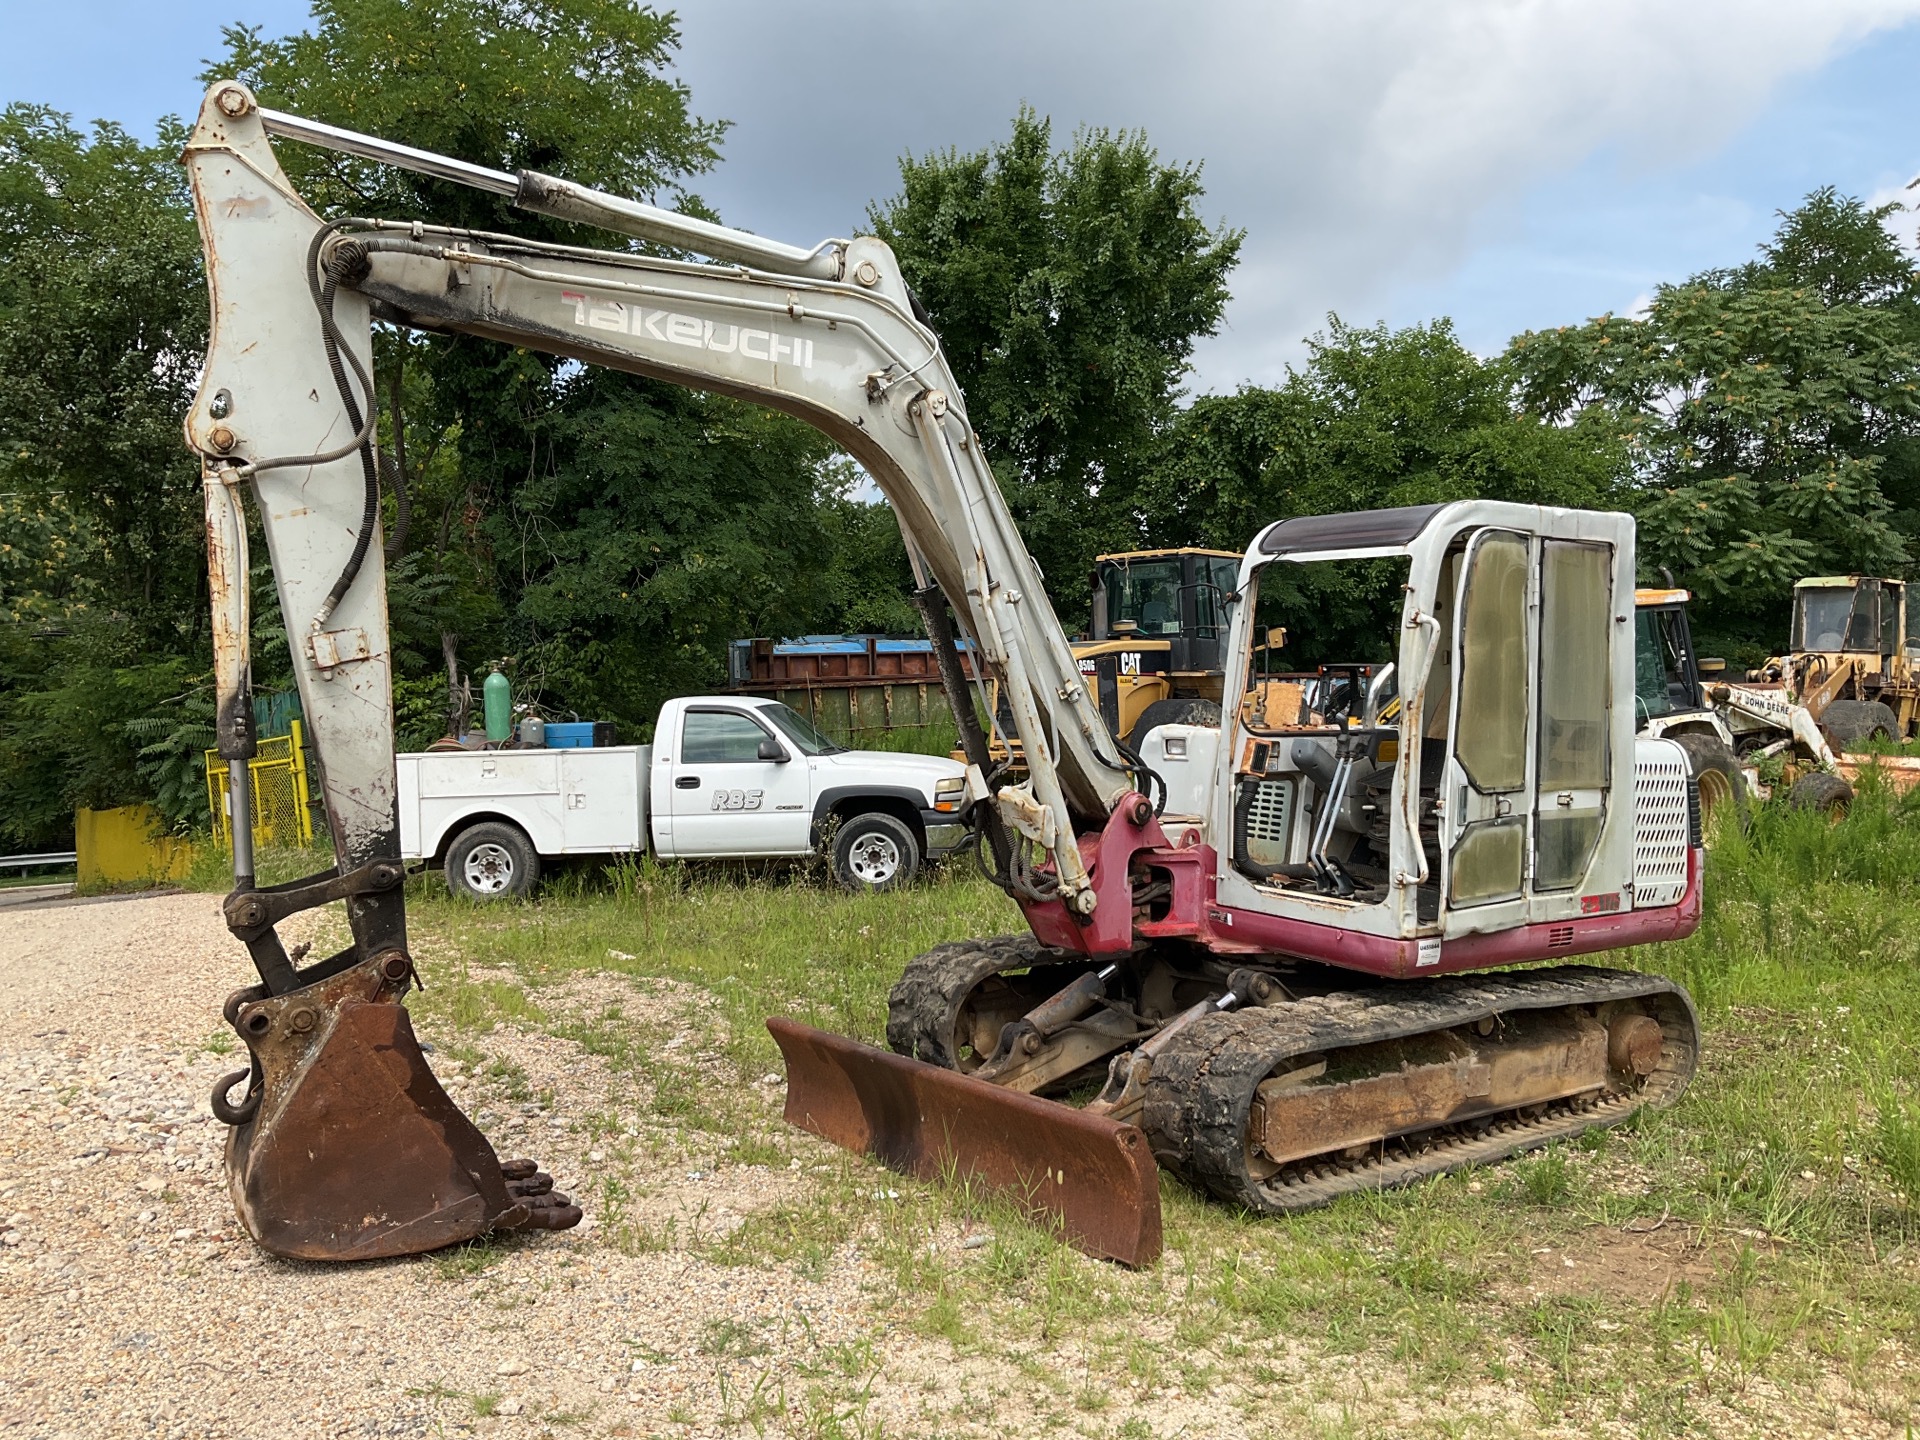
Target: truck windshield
x,y
797,728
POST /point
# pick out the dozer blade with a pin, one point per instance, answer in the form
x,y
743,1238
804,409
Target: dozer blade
x,y
347,1147
1091,1177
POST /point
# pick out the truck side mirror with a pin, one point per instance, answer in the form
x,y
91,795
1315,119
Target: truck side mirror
x,y
1710,665
1276,637
770,750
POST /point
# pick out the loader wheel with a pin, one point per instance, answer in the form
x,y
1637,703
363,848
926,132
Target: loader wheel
x,y
875,852
492,861
1850,721
1823,792
1177,711
1716,771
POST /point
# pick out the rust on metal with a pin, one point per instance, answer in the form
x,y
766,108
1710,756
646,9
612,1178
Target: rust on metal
x,y
1093,1178
1634,1042
347,1147
1432,1080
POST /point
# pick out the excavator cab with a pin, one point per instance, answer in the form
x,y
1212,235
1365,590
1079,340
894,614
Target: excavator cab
x,y
1486,799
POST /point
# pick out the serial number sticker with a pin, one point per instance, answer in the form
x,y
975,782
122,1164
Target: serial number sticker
x,y
1429,953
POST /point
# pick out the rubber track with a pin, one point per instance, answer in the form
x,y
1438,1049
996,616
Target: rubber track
x,y
1202,1088
924,1002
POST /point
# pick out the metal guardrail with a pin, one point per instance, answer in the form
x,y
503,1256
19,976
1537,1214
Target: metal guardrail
x,y
29,862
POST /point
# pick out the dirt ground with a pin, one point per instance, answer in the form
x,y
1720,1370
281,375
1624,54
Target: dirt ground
x,y
133,1306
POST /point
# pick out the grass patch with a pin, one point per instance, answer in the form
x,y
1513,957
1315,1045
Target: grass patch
x,y
1643,1278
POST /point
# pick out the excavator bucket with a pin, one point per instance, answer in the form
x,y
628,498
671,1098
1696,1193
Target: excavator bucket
x,y
1092,1178
346,1147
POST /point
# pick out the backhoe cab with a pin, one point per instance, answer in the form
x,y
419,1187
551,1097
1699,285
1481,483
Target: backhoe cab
x,y
1853,659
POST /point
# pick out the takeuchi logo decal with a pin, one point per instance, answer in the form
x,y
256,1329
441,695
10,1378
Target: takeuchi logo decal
x,y
672,328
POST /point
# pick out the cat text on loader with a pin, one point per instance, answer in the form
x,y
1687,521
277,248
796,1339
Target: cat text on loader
x,y
1254,932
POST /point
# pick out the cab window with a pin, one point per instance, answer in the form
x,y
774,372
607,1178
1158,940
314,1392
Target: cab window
x,y
713,737
1216,580
1146,592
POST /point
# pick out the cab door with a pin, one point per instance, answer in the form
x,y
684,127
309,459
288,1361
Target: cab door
x,y
737,788
1529,765
1488,792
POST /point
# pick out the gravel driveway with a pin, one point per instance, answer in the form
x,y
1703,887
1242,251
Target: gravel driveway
x,y
133,1305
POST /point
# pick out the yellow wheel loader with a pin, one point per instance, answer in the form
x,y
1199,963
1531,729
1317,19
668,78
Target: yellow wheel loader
x,y
1260,947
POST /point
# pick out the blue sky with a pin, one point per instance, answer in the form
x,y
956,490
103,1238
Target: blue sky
x,y
1512,166
1603,234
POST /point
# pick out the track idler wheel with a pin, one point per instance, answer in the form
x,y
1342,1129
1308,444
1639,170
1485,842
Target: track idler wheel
x,y
345,1146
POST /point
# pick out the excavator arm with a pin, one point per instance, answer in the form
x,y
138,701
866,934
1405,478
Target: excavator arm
x,y
344,1145
828,335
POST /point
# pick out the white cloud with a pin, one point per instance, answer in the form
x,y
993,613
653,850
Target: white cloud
x,y
1363,145
1902,223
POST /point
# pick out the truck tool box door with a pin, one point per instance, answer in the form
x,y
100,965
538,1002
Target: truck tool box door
x,y
726,800
524,784
601,792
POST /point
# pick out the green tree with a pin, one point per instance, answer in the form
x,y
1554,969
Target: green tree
x,y
102,319
606,533
1769,412
1374,418
1068,290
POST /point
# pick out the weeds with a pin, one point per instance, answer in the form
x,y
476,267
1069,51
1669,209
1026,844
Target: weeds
x,y
1774,1190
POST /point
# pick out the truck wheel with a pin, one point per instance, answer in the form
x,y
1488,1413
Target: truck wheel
x,y
1821,791
492,861
1723,789
875,852
1177,711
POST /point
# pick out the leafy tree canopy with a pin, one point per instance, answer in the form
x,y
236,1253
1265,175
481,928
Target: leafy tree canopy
x,y
603,534
102,578
1068,289
1768,412
1374,418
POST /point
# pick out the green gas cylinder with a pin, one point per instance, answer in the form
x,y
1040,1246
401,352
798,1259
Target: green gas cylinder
x,y
498,695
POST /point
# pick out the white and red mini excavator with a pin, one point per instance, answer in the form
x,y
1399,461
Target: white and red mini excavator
x,y
1257,949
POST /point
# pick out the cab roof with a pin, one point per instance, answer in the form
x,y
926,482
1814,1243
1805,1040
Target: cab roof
x,y
1166,554
1643,598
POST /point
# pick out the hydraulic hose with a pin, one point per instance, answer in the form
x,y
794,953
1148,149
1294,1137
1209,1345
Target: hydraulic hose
x,y
348,262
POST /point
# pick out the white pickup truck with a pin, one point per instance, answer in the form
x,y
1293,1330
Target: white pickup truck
x,y
726,776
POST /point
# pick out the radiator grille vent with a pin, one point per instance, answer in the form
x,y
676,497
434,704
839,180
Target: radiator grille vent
x,y
1270,813
1662,824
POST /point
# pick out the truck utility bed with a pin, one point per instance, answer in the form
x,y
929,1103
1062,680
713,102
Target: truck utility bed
x,y
570,802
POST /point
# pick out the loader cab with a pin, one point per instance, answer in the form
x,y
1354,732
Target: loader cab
x,y
1175,596
1855,615
1470,772
1158,629
1666,673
